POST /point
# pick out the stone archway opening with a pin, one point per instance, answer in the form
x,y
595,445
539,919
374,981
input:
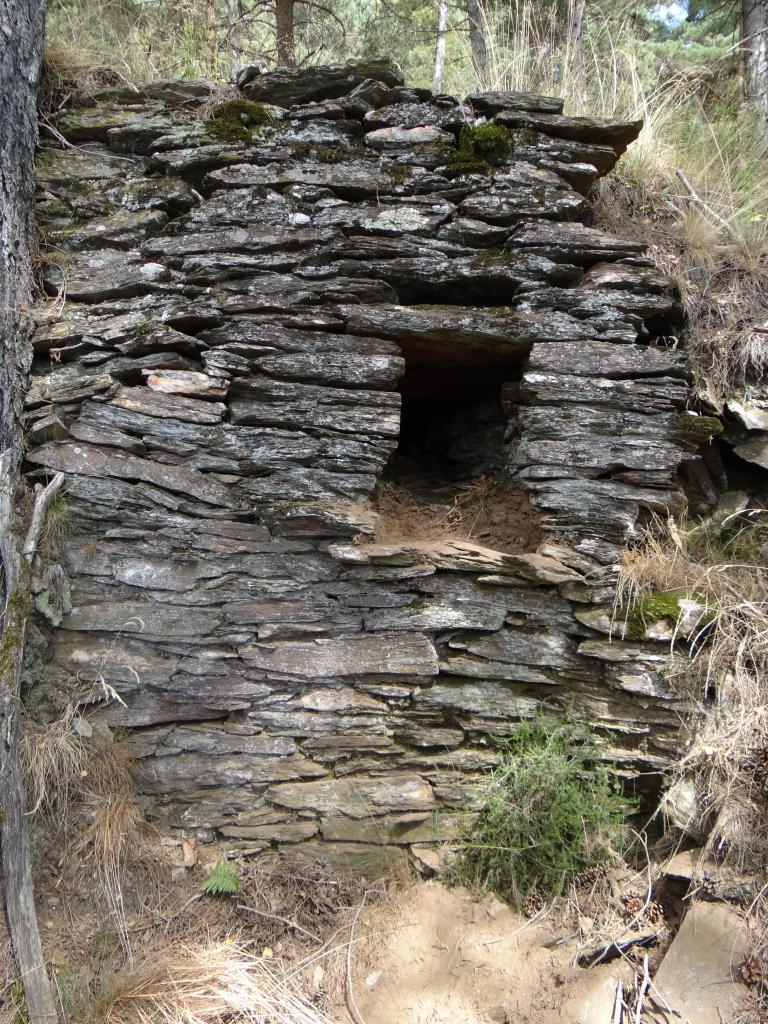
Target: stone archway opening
x,y
449,476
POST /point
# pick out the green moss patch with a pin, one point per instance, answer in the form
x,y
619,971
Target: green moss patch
x,y
695,430
663,606
236,120
486,145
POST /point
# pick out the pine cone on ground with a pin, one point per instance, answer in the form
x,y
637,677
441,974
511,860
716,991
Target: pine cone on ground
x,y
752,971
708,885
455,516
533,904
759,765
591,876
632,902
654,912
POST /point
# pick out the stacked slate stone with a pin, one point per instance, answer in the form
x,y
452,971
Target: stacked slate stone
x,y
245,285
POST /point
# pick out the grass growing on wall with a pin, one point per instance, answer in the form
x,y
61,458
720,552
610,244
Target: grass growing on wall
x,y
549,812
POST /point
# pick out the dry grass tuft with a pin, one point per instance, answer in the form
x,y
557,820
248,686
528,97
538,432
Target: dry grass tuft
x,y
713,242
724,670
115,834
298,913
203,984
69,76
53,759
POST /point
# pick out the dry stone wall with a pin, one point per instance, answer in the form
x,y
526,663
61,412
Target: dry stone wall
x,y
246,287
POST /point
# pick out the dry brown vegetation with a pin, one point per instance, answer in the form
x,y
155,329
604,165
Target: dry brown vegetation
x,y
130,934
722,669
491,510
206,984
717,253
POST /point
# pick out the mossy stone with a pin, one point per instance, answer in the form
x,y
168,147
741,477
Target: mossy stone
x,y
236,120
399,173
695,430
664,605
485,145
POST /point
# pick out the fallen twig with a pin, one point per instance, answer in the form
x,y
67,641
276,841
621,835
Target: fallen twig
x,y
351,1004
641,991
618,1003
612,950
284,920
705,207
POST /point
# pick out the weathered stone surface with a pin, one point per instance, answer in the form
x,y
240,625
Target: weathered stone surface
x,y
186,382
415,115
346,180
90,461
466,336
108,274
394,220
600,130
698,973
387,654
357,798
62,167
494,102
221,390
288,86
571,243
410,138
400,829
123,230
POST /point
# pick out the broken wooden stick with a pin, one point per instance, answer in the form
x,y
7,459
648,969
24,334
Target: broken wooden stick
x,y
706,209
17,872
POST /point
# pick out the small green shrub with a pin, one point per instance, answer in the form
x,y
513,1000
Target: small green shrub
x,y
223,880
550,811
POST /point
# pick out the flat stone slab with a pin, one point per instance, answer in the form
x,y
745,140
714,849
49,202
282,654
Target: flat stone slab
x,y
697,975
289,86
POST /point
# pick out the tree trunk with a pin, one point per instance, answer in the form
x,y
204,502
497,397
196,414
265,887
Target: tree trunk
x,y
211,13
234,15
577,50
286,47
22,26
442,32
754,54
477,26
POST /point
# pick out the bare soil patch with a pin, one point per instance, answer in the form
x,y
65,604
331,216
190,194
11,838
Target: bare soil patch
x,y
489,510
457,960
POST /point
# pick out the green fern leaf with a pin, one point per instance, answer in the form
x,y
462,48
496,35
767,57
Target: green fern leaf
x,y
223,880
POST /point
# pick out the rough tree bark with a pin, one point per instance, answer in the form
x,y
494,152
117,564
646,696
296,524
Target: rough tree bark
x,y
754,55
576,32
442,32
234,18
286,47
477,26
22,26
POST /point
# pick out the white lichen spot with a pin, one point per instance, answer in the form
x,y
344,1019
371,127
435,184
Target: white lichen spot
x,y
152,271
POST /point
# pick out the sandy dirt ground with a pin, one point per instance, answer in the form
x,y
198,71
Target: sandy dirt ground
x,y
450,959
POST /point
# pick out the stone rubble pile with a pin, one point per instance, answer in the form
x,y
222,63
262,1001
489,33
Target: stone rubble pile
x,y
247,282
